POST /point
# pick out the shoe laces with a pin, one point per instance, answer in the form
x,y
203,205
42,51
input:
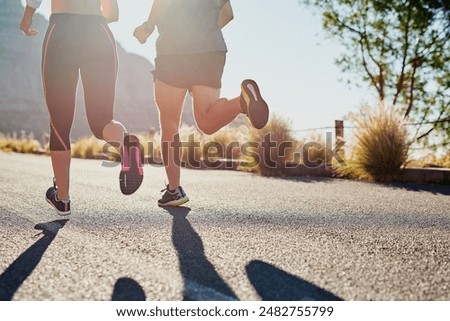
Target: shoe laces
x,y
166,189
169,191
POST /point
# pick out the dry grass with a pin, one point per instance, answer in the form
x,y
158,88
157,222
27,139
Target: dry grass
x,y
431,160
229,139
380,146
197,146
315,151
190,137
25,145
87,148
272,161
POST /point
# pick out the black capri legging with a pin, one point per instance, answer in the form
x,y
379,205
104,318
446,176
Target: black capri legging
x,y
78,45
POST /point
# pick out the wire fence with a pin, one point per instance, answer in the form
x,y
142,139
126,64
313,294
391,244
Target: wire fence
x,y
352,127
340,127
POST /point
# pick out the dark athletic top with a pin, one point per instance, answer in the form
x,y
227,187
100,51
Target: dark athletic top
x,y
191,27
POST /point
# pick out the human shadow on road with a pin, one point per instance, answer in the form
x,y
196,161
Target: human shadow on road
x,y
273,284
127,289
23,266
201,280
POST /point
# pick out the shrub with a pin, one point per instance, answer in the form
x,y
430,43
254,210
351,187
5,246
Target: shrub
x,y
87,147
230,139
272,161
380,146
25,145
191,137
316,152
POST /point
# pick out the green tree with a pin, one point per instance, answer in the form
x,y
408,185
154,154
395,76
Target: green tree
x,y
402,49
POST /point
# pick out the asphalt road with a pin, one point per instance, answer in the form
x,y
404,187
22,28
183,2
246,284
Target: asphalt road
x,y
241,237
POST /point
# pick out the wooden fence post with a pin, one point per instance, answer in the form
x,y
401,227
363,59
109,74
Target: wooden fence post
x,y
339,125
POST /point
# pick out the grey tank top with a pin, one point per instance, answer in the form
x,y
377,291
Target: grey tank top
x,y
191,27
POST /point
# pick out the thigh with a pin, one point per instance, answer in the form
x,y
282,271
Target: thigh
x,y
98,70
170,100
99,84
204,97
60,75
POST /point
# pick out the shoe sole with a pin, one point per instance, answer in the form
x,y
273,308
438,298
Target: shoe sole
x,y
57,211
257,108
131,175
176,203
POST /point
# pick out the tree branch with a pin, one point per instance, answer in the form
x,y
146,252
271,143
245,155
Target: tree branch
x,y
401,79
366,68
416,64
436,122
381,80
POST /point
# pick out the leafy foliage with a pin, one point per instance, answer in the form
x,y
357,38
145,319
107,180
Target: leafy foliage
x,y
400,48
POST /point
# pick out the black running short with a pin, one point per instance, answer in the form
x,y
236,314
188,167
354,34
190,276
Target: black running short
x,y
185,71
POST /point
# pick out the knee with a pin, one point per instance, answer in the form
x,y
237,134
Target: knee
x,y
59,139
169,126
56,145
205,127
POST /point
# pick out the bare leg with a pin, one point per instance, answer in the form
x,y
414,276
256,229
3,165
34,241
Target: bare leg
x,y
170,102
113,133
61,170
212,113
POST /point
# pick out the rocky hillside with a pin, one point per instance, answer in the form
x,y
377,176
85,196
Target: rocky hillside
x,y
22,104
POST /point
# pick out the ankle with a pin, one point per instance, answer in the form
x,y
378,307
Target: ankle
x,y
65,199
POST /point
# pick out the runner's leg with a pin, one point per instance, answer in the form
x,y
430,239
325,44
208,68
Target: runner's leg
x,y
170,102
212,113
60,78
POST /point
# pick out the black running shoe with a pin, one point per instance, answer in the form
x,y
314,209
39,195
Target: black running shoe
x,y
61,207
173,198
132,172
253,105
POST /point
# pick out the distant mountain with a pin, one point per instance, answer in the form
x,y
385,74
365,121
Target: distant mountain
x,y
22,105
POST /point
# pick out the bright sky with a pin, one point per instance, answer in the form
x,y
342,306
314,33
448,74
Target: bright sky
x,y
280,44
